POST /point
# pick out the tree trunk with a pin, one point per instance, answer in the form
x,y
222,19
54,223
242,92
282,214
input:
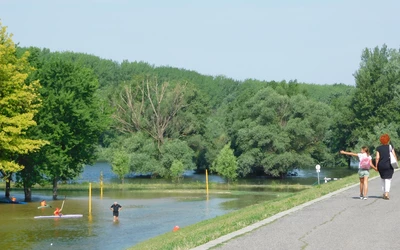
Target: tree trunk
x,y
28,193
55,182
8,187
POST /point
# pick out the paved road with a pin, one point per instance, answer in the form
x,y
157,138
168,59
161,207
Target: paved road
x,y
339,220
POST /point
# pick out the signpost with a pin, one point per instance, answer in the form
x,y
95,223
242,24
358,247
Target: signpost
x,y
318,168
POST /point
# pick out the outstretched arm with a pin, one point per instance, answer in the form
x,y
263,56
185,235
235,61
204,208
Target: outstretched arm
x,y
348,153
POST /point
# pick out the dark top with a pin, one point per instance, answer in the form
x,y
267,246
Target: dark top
x,y
115,207
384,167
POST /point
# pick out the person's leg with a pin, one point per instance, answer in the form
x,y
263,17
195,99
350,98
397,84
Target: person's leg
x,y
386,188
388,183
383,186
361,188
365,187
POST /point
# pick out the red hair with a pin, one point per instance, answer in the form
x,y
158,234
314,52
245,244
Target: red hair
x,y
384,139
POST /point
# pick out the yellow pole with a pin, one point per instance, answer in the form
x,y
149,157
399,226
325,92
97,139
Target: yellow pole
x,y
90,224
207,182
101,189
101,185
90,198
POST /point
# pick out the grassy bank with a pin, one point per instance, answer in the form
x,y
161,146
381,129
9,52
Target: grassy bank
x,y
205,231
155,186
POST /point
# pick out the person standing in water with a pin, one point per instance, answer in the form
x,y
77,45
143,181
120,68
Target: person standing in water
x,y
43,203
115,208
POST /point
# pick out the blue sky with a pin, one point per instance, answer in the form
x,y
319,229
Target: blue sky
x,y
313,41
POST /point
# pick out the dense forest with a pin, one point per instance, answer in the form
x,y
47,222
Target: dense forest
x,y
62,110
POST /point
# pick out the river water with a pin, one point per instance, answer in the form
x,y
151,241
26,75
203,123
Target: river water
x,y
144,215
301,176
140,219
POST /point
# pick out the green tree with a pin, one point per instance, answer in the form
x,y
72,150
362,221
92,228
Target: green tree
x,y
70,119
226,164
145,158
340,131
143,152
19,102
120,164
277,133
376,99
149,106
175,150
215,136
177,170
190,125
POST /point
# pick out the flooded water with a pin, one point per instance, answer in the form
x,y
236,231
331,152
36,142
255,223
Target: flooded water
x,y
144,215
301,176
141,218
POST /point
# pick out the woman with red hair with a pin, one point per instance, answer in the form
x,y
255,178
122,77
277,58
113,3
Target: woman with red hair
x,y
383,164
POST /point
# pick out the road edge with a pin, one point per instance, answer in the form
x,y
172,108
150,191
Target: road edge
x,y
268,220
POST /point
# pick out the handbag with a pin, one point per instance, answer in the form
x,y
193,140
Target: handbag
x,y
393,160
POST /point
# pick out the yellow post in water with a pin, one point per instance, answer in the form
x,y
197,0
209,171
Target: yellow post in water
x,y
101,185
101,189
90,198
207,182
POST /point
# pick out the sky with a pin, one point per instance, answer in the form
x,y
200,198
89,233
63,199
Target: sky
x,y
311,41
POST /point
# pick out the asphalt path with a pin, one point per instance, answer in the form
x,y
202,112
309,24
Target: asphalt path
x,y
339,220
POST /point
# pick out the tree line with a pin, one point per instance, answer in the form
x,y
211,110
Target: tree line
x,y
62,110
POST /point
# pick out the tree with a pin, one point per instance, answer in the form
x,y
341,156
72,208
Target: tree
x,y
226,164
19,102
340,131
376,99
215,136
277,133
70,119
175,150
120,164
177,170
190,125
142,151
150,107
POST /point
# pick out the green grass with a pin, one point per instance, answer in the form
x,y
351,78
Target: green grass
x,y
205,231
192,187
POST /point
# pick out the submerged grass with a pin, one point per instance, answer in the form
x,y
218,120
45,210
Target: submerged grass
x,y
205,231
189,187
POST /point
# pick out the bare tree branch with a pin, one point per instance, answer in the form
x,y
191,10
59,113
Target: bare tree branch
x,y
150,107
